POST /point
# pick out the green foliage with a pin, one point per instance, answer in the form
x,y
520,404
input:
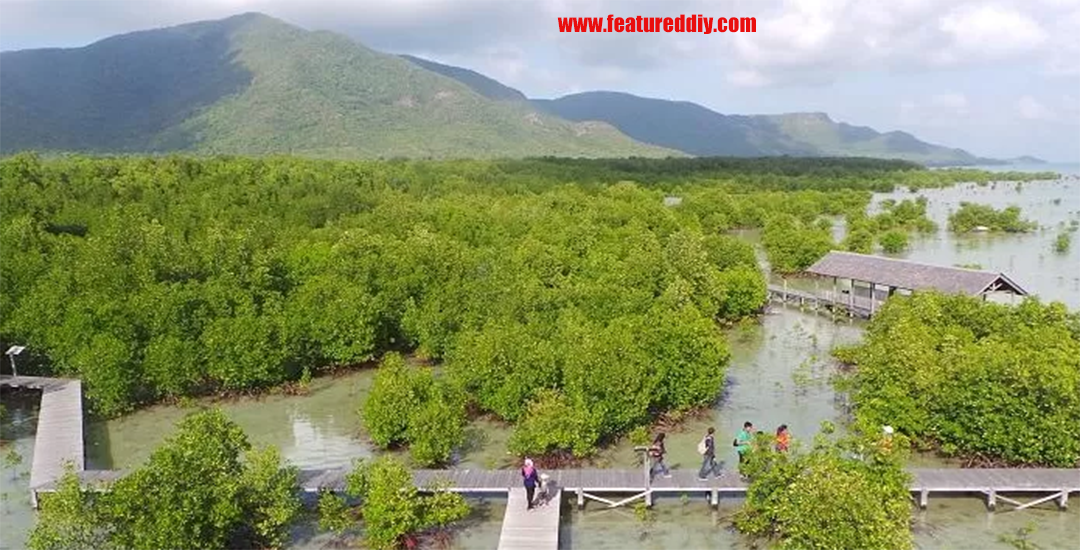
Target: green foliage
x,y
859,240
392,509
976,379
891,225
793,246
407,405
894,242
1062,243
971,215
70,519
553,423
169,277
1021,539
269,497
201,489
907,215
847,493
335,515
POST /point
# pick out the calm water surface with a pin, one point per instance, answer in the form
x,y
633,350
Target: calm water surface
x,y
779,374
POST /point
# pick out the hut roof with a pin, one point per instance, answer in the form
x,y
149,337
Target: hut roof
x,y
912,275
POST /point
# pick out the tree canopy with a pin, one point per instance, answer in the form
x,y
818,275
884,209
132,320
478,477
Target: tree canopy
x,y
203,488
850,492
988,382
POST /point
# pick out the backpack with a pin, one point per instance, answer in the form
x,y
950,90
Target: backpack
x,y
702,448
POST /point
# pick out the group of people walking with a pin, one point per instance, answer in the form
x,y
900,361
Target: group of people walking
x,y
743,444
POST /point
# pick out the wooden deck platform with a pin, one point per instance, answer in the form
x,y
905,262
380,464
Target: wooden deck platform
x,y
536,529
59,428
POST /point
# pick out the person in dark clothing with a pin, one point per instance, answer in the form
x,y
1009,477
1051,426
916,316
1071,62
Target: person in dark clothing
x,y
656,453
708,462
532,479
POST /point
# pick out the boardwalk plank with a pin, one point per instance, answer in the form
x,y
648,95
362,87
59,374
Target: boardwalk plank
x,y
536,529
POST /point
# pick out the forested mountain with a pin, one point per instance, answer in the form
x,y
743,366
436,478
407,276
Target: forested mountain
x,y
251,84
697,130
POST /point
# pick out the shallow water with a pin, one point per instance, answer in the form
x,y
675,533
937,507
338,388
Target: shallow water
x,y
17,433
1028,258
778,374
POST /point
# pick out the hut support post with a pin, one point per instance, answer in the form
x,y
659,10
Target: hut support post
x,y
873,298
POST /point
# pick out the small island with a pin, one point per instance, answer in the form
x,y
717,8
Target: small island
x,y
982,217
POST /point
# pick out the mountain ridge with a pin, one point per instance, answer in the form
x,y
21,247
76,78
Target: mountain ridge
x,y
698,130
253,84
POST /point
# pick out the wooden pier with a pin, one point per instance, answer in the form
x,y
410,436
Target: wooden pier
x,y
59,436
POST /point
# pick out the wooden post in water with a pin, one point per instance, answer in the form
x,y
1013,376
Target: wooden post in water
x,y
851,300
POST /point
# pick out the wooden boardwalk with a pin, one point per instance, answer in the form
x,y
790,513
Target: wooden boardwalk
x,y
536,529
995,483
59,436
60,439
845,304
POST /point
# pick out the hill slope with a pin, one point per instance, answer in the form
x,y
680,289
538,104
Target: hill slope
x,y
831,138
485,86
251,84
697,130
681,125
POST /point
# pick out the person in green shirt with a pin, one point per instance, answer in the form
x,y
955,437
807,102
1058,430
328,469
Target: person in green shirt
x,y
743,440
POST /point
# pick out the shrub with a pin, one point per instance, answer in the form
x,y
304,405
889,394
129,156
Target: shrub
x,y
407,405
394,513
203,488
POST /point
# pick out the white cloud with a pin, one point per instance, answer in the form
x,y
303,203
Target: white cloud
x,y
810,38
1031,109
748,78
938,110
989,31
956,102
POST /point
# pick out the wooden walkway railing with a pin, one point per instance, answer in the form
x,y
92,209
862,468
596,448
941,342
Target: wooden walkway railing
x,y
994,483
844,304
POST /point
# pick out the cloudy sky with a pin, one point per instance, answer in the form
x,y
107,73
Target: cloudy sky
x,y
997,77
